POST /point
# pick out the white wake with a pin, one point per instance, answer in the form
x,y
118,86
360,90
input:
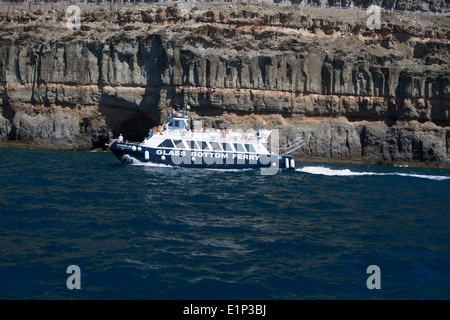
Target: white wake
x,y
347,173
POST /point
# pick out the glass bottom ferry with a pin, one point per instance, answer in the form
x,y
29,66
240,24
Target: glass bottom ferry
x,y
175,144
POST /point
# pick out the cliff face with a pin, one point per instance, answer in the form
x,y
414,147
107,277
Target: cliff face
x,y
409,5
320,75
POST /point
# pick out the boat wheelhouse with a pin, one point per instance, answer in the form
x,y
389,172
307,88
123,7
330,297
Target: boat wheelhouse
x,y
176,144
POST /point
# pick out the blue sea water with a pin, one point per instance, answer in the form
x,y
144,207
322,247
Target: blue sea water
x,y
153,232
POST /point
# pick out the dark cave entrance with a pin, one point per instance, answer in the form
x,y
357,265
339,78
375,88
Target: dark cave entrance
x,y
136,128
132,124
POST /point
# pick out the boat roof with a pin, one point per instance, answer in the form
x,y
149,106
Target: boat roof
x,y
178,116
183,131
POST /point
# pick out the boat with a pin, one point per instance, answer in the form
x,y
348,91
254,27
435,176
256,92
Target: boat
x,y
175,144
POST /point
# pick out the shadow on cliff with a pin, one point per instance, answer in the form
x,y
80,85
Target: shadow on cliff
x,y
8,113
133,118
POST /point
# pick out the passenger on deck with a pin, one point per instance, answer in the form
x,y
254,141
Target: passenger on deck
x,y
120,138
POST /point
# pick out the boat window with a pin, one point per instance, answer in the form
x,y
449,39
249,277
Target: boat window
x,y
205,145
239,147
192,144
250,148
166,144
178,144
177,124
216,146
226,147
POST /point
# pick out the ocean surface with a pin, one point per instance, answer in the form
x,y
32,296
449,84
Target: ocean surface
x,y
154,232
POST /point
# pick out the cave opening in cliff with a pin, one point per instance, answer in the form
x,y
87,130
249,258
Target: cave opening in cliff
x,y
134,125
136,128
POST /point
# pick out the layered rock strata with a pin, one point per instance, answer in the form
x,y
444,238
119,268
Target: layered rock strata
x,y
321,76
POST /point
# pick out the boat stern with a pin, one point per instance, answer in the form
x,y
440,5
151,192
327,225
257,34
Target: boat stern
x,y
287,162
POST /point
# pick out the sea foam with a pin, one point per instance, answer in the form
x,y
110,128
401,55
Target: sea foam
x,y
347,172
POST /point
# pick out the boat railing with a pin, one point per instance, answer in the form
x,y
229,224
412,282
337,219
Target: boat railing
x,y
219,135
111,141
293,145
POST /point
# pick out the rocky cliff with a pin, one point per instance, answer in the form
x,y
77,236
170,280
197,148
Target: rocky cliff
x,y
347,91
409,5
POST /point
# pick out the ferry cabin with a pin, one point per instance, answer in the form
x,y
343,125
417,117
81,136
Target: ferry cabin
x,y
177,135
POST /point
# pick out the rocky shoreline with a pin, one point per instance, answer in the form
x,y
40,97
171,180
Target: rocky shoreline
x,y
352,94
